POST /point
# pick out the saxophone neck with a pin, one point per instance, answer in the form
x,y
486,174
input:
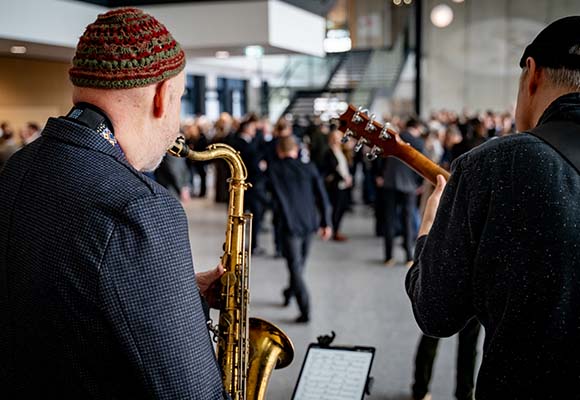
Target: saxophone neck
x,y
213,151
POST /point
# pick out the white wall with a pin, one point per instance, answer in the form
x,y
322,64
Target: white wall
x,y
219,24
55,22
473,62
295,29
213,26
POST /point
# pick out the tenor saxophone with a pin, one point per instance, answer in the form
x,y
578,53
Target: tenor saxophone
x,y
248,349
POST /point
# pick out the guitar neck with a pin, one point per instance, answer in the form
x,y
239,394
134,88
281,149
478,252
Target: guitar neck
x,y
419,163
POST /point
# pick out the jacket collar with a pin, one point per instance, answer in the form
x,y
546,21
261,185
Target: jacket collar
x,y
78,135
564,108
559,126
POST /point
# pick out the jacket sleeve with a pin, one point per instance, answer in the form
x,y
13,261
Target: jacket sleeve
x,y
440,282
148,293
322,201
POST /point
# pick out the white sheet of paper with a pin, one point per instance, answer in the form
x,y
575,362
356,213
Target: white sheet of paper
x,y
333,374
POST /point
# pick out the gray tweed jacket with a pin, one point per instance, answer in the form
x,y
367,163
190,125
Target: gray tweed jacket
x,y
98,297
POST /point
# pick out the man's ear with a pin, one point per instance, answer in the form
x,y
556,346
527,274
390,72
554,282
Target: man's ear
x,y
161,98
533,74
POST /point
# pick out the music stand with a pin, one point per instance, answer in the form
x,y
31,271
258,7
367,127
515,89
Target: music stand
x,y
335,372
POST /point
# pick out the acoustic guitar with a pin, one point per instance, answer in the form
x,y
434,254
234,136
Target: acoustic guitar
x,y
385,141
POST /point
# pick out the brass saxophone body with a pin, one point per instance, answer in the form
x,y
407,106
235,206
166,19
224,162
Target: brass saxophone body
x,y
248,349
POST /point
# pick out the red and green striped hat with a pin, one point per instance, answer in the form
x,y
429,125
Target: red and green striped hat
x,y
125,48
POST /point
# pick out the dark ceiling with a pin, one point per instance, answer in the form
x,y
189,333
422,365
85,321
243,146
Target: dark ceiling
x,y
320,7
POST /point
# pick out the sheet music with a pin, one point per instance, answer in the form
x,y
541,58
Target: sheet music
x,y
334,374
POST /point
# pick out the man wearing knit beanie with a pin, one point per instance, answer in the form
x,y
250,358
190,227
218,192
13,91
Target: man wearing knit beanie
x,y
98,295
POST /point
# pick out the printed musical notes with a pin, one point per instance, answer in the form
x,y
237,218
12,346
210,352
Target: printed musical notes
x,y
334,374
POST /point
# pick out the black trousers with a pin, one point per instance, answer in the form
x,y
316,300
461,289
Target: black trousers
x,y
407,203
466,355
295,250
198,168
339,200
256,204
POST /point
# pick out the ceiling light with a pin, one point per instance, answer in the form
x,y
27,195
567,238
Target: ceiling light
x,y
337,45
397,2
407,1
458,1
222,54
254,51
18,50
441,15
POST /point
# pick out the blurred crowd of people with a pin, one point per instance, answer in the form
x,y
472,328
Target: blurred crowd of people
x,y
11,141
396,193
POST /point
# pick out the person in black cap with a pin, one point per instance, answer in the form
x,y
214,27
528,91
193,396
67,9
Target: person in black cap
x,y
501,240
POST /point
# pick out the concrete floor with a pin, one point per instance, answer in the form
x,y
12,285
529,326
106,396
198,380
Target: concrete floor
x,y
352,293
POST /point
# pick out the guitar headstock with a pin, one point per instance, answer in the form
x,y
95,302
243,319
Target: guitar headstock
x,y
382,139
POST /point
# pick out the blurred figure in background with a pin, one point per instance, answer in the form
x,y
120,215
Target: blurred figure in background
x,y
30,133
196,139
298,192
338,180
255,198
223,131
400,185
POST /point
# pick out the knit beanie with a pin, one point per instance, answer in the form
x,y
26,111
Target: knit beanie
x,y
125,48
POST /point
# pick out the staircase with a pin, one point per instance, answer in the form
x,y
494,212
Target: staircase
x,y
353,77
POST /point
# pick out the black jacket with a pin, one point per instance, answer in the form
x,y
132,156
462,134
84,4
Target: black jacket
x,y
298,192
399,176
98,296
505,247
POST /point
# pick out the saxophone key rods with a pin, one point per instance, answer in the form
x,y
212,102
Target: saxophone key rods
x,y
248,349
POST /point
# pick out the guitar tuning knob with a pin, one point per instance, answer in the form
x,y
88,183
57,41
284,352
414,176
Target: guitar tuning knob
x,y
356,118
385,135
370,125
374,153
361,142
347,135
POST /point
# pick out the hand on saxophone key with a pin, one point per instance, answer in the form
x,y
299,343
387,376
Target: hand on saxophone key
x,y
208,284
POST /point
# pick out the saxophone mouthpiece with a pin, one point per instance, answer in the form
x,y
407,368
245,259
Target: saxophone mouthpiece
x,y
179,148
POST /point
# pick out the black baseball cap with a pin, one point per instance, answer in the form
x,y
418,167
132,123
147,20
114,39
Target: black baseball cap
x,y
557,46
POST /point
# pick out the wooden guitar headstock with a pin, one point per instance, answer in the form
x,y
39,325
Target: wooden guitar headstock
x,y
384,140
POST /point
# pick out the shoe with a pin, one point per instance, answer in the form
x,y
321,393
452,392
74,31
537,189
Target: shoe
x,y
426,397
409,264
302,319
391,262
339,238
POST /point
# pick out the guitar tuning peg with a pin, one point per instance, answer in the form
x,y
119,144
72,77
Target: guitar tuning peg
x,y
385,135
361,142
370,125
374,153
347,135
356,118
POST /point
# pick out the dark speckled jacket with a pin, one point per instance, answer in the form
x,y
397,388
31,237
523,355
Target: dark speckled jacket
x,y
505,247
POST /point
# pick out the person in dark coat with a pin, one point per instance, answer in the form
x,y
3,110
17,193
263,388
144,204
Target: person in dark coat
x,y
501,240
338,180
400,184
255,199
298,192
98,294
197,141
